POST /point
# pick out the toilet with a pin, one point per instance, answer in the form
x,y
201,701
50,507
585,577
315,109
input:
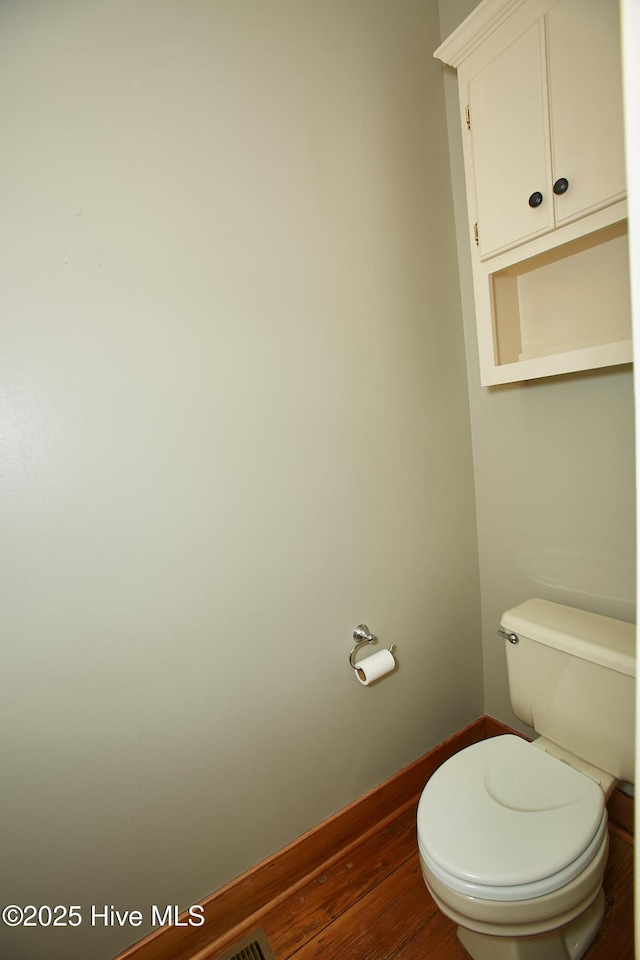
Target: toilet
x,y
512,834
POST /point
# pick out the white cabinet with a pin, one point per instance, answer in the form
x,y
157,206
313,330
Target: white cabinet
x,y
546,124
541,112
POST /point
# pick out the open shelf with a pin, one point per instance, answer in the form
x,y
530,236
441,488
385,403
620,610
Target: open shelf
x,y
572,299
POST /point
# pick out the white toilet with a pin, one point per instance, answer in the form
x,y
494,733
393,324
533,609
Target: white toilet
x,y
513,835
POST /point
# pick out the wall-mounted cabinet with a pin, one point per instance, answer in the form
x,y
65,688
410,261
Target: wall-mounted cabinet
x,y
542,120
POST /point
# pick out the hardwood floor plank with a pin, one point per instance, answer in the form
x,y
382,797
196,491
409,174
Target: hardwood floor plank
x,y
313,907
378,925
436,939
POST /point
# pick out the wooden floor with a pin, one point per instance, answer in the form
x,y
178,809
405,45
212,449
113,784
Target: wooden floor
x,y
372,904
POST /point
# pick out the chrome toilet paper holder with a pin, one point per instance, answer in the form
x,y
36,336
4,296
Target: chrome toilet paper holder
x,y
362,635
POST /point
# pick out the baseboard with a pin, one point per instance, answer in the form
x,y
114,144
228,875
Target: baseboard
x,y
237,906
234,905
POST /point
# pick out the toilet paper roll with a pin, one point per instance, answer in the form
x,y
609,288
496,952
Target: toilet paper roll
x,y
376,666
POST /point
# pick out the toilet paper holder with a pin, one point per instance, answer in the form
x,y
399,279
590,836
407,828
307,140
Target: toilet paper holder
x,y
362,635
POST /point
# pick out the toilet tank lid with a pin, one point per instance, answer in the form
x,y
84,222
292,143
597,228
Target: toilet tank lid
x,y
589,636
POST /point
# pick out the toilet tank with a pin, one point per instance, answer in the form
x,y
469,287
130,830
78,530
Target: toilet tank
x,y
572,678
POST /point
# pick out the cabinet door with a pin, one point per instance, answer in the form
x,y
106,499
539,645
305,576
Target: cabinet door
x,y
510,143
585,88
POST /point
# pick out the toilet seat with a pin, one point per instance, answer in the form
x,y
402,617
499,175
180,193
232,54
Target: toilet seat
x,y
502,820
523,891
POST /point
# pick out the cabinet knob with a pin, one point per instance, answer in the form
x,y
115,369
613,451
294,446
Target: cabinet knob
x,y
535,199
561,186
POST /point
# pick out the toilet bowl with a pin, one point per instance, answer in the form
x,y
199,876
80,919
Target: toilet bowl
x,y
513,844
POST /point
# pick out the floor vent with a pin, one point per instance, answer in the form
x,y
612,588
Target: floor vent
x,y
253,947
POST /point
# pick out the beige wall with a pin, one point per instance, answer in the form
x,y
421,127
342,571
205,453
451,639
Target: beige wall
x,y
236,425
554,470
